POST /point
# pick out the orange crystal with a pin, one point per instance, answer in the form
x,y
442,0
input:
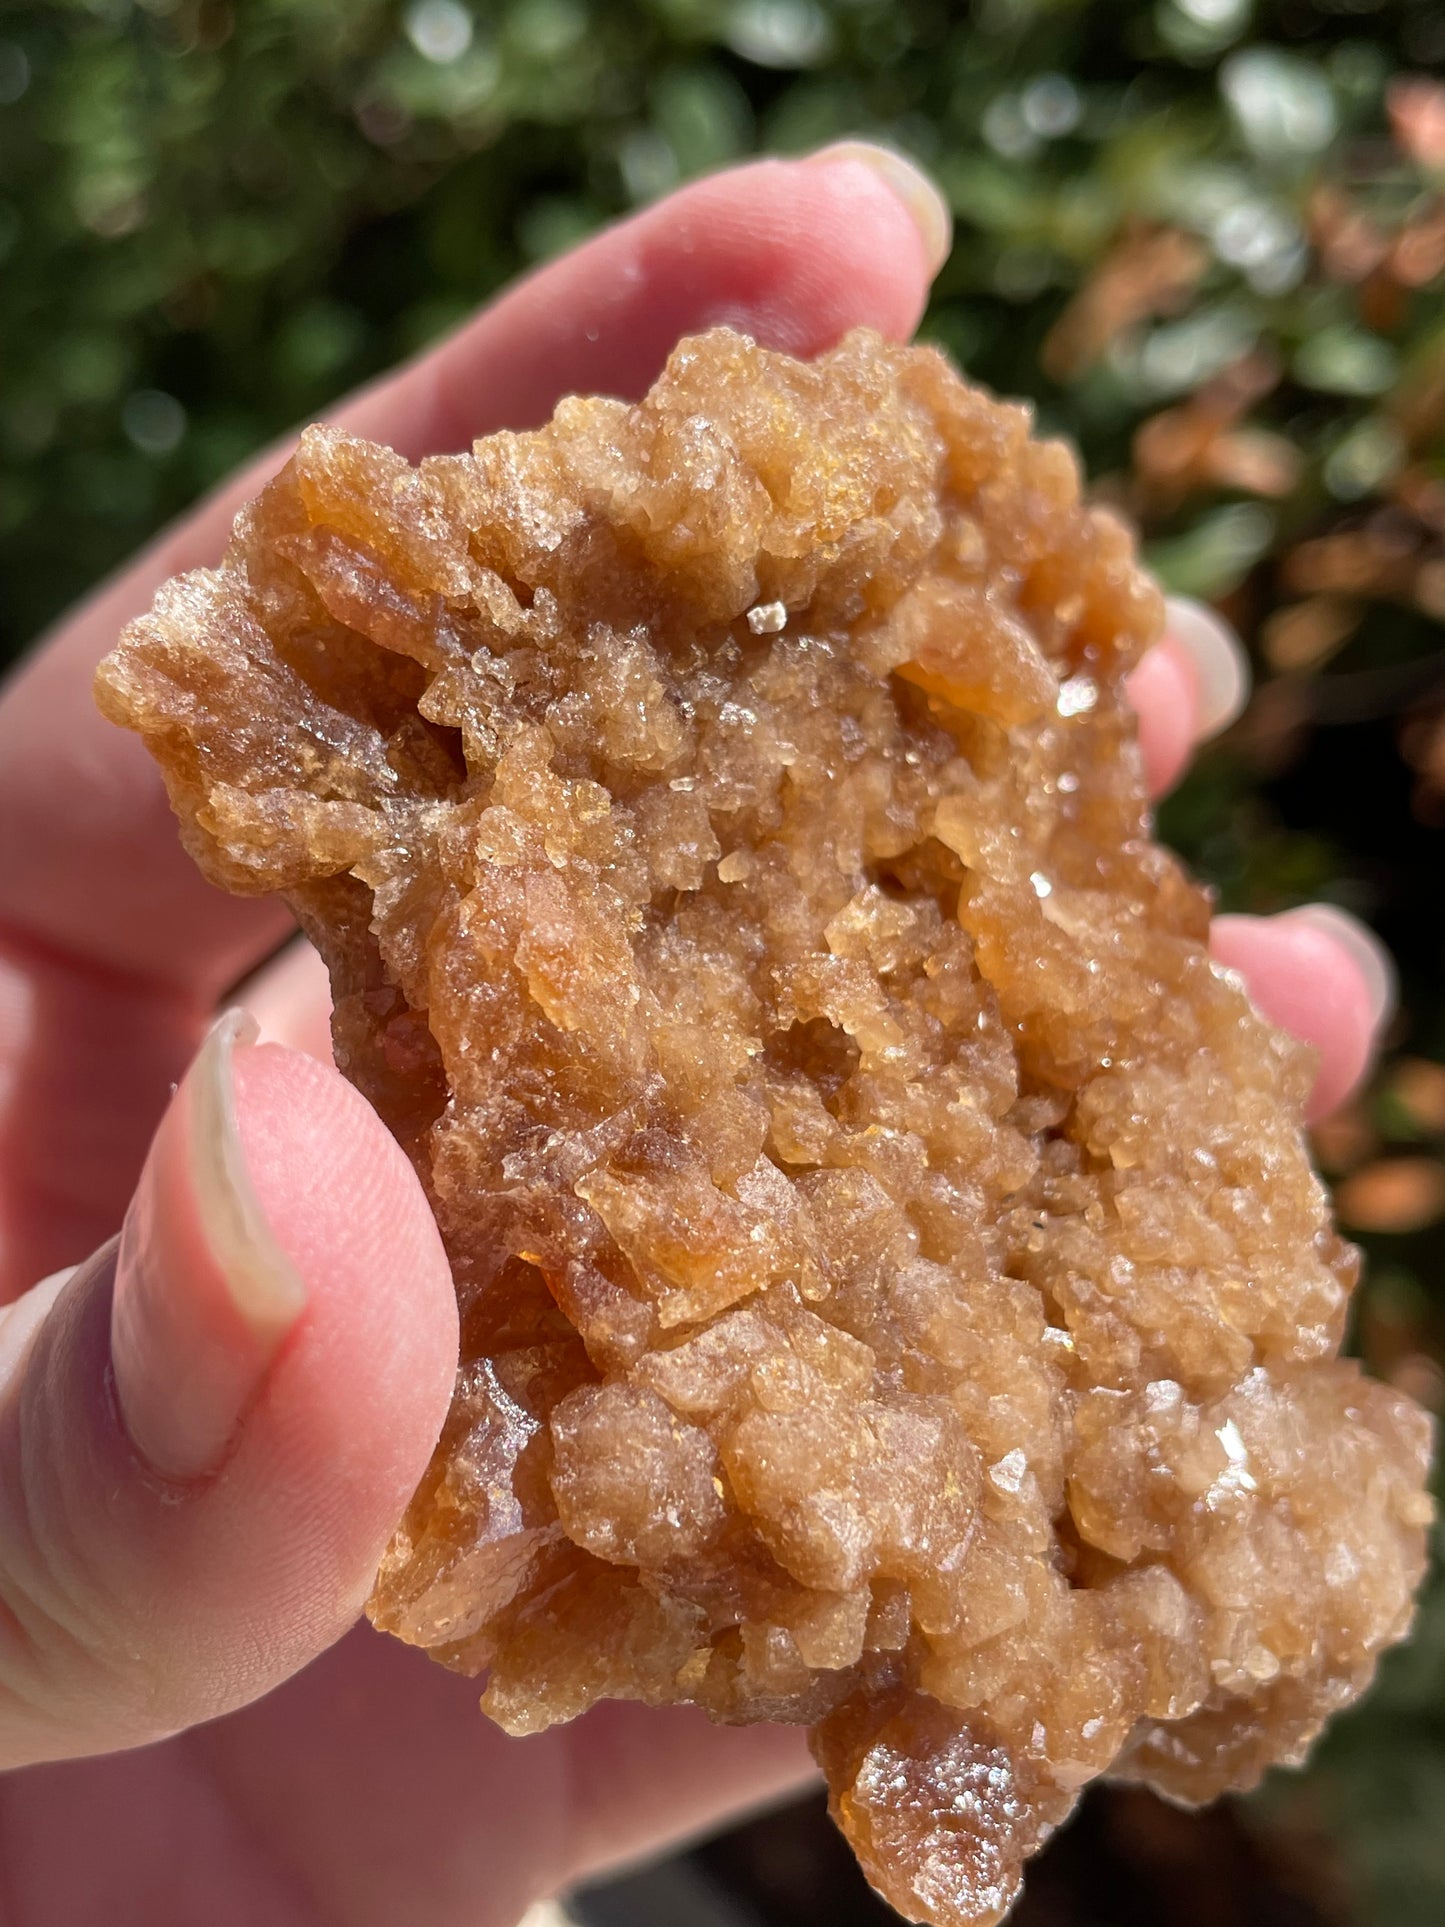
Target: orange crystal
x,y
895,1294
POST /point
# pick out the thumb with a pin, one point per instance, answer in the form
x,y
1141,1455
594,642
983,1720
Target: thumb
x,y
210,1428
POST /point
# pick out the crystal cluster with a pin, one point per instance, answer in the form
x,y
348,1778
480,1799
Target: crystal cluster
x,y
895,1295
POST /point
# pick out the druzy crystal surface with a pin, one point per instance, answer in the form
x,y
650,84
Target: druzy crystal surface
x,y
895,1294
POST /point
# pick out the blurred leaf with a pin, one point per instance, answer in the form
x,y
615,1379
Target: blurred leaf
x,y
1346,361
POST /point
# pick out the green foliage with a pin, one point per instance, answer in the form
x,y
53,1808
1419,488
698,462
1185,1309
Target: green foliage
x,y
1198,233
215,217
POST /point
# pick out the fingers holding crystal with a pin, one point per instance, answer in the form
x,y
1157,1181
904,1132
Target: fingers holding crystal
x,y
1316,971
209,1428
1320,974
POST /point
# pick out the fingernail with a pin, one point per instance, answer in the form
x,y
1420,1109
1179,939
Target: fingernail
x,y
1220,664
262,1280
920,195
1359,942
204,1292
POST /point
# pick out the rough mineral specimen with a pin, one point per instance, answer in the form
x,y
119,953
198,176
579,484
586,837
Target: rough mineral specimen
x,y
895,1294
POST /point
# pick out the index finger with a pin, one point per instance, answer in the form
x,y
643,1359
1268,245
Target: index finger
x,y
794,252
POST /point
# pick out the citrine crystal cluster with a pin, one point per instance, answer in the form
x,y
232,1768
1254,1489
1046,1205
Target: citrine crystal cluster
x,y
895,1294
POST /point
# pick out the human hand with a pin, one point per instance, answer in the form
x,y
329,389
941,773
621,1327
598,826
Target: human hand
x,y
207,1435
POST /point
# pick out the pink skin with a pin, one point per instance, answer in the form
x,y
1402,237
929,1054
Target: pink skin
x,y
1294,975
319,1774
1164,689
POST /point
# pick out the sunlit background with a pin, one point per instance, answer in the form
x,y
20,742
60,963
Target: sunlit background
x,y
1206,236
